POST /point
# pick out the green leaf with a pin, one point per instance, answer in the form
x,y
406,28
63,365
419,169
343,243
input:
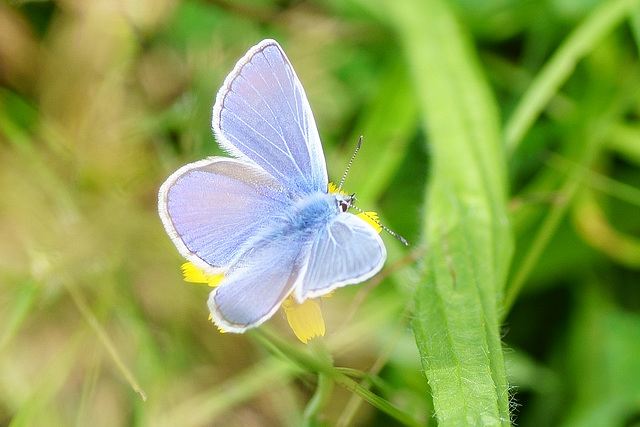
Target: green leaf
x,y
466,229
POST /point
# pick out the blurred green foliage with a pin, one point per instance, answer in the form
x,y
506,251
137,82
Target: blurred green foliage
x,y
101,100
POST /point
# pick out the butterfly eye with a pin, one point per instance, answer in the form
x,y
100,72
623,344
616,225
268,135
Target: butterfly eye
x,y
345,203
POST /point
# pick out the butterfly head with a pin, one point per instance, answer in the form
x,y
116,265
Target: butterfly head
x,y
345,201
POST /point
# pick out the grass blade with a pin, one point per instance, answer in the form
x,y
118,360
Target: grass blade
x,y
581,41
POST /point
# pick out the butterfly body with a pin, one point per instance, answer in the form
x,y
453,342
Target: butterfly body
x,y
299,221
266,220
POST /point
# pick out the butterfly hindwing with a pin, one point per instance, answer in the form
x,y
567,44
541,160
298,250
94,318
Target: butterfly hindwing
x,y
348,250
258,281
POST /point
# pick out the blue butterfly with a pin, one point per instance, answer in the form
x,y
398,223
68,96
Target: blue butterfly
x,y
266,219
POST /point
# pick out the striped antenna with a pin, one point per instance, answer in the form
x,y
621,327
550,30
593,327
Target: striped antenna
x,y
344,176
393,233
353,197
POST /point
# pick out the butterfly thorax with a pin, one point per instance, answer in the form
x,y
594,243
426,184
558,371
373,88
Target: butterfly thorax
x,y
303,219
312,211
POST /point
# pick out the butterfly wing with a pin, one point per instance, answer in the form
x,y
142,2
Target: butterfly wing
x,y
211,207
346,251
262,115
258,281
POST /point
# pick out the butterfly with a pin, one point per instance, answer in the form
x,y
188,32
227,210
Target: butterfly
x,y
265,219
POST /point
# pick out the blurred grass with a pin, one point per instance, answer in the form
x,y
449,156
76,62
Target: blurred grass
x,y
100,101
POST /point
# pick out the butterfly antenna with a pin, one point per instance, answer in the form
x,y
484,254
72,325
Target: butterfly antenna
x,y
393,233
350,163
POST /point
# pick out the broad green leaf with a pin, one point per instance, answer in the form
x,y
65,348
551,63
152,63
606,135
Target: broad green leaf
x,y
466,229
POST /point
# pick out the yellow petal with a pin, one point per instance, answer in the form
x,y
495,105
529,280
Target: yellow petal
x,y
193,274
305,319
215,280
372,219
222,331
334,189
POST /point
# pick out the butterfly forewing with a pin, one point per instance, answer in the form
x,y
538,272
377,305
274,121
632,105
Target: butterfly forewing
x,y
262,114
